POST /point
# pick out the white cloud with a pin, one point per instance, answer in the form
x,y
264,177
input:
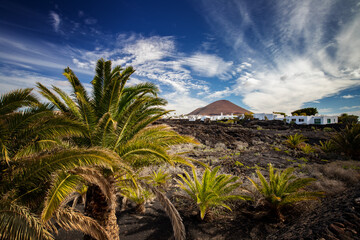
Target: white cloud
x,y
183,104
55,20
325,110
349,96
349,108
288,88
219,94
83,65
209,65
298,57
150,49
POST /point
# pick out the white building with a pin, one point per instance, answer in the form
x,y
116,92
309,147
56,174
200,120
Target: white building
x,y
321,119
202,118
268,116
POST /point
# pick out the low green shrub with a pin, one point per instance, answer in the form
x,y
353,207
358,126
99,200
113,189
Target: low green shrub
x,y
294,141
307,148
348,141
328,129
283,188
212,190
327,146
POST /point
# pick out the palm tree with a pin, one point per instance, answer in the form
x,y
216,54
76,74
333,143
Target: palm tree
x,y
283,188
34,144
118,118
211,190
294,141
348,141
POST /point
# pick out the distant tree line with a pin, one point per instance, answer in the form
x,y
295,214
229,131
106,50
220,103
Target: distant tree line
x,y
305,112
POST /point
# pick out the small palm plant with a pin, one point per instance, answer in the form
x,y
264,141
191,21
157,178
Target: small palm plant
x,y
283,188
294,141
307,148
211,191
138,195
348,141
327,146
159,178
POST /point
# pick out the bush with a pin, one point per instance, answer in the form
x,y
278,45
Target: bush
x,y
328,129
306,148
211,190
348,119
348,141
294,141
283,188
327,146
305,112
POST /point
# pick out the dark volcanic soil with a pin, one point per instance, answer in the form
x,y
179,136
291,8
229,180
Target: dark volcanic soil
x,y
240,149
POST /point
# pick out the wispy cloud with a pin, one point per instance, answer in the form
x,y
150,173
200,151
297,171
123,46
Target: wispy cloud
x,y
303,52
349,108
209,65
349,96
155,59
55,20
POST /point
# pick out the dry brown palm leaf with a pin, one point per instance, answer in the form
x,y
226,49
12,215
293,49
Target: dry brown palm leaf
x,y
171,211
70,219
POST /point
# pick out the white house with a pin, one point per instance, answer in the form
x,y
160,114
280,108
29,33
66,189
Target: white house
x,y
321,119
268,116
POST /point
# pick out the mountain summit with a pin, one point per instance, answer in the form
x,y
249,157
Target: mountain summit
x,y
218,107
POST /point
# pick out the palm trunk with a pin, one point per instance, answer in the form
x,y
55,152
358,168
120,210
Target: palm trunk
x,y
103,210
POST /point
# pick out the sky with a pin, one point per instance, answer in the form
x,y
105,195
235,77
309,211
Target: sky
x,y
265,56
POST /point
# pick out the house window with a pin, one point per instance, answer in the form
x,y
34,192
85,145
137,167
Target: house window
x,y
329,121
293,120
301,120
317,121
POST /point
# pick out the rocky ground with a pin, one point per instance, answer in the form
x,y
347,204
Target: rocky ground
x,y
240,149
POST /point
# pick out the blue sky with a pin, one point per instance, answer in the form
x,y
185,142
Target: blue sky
x,y
265,56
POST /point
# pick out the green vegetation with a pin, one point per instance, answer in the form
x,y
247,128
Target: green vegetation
x,y
248,116
134,192
283,188
328,129
277,149
94,140
348,119
34,145
237,163
307,148
348,141
305,112
212,190
294,141
159,178
327,146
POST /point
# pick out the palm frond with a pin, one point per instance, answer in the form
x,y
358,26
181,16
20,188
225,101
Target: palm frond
x,y
69,219
93,176
171,211
63,184
16,99
42,167
18,223
45,92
